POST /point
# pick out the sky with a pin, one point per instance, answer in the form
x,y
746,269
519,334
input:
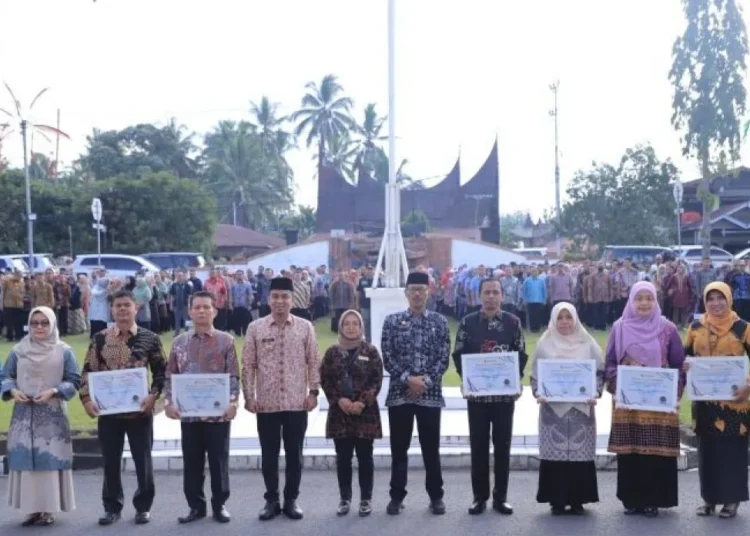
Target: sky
x,y
467,73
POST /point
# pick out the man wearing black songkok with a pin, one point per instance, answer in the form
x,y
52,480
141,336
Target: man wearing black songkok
x,y
416,350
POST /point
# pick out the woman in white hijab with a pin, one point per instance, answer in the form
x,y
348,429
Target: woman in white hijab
x,y
567,432
40,374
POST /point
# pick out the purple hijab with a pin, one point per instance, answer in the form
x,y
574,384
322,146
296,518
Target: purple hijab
x,y
638,336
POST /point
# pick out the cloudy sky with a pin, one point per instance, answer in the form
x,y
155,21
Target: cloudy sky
x,y
467,71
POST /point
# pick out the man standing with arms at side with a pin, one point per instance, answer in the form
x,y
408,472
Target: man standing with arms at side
x,y
365,282
125,346
490,330
204,350
179,296
281,382
416,351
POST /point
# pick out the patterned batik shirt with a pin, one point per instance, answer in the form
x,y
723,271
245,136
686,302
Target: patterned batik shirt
x,y
203,353
416,345
280,364
480,334
112,349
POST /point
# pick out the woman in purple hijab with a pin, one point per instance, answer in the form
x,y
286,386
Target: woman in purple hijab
x,y
647,443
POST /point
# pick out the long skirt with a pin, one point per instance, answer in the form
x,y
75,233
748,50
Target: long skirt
x,y
722,467
41,491
647,481
76,322
567,483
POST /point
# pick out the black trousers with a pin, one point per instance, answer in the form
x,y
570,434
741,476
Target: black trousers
x,y
490,421
264,310
509,308
96,327
14,323
535,311
301,313
201,440
428,427
272,427
345,448
742,308
240,320
336,317
599,315
319,307
140,432
222,317
62,320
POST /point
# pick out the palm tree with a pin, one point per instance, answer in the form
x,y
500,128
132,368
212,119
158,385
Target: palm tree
x,y
370,132
325,115
26,124
244,179
342,156
266,118
178,149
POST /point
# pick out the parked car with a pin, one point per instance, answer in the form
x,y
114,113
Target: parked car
x,y
694,253
11,263
119,266
174,261
42,262
640,255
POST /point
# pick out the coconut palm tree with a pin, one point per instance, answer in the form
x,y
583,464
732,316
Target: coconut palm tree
x,y
369,130
26,126
325,115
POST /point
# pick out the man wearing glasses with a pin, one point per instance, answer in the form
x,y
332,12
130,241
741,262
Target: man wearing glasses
x,y
416,349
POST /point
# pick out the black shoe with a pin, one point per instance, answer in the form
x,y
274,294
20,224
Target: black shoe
x,y
502,507
108,518
477,507
394,507
365,508
344,507
222,516
142,518
437,507
270,510
194,515
633,511
577,510
651,512
292,510
558,510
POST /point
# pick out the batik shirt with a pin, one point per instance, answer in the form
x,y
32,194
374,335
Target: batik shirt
x,y
480,334
416,345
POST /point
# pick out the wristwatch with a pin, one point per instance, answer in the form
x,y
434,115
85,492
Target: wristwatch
x,y
314,392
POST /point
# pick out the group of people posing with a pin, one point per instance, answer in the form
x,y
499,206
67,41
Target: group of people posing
x,y
282,376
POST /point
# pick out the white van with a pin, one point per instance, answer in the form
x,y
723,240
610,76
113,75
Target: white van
x,y
120,266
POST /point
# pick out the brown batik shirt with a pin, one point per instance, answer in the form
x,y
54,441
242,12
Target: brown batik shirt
x,y
112,349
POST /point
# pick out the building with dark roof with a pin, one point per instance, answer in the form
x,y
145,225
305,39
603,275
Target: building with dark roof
x,y
235,241
447,205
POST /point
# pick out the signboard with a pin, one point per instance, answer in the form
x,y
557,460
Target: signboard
x,y
96,209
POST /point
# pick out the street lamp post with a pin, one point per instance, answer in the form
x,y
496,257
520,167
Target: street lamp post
x,y
677,192
558,212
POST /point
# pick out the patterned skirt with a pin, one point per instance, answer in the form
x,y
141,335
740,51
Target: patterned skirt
x,y
644,432
567,438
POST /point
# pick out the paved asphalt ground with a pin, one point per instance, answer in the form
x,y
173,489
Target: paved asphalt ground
x,y
319,499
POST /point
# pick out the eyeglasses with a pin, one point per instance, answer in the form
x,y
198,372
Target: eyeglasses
x,y
417,290
40,324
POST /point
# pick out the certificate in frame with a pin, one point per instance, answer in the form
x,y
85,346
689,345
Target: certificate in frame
x,y
647,388
716,378
201,395
567,380
491,374
119,391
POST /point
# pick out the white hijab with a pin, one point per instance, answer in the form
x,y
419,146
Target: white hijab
x,y
578,345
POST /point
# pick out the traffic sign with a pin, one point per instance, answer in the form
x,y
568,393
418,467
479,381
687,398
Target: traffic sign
x,y
96,209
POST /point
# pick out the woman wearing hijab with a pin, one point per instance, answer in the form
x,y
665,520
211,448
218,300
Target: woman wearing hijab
x,y
40,374
351,375
142,294
722,427
647,443
567,432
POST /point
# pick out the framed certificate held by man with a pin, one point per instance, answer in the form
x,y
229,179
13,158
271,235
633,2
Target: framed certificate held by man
x,y
567,380
200,395
119,391
491,374
647,388
716,378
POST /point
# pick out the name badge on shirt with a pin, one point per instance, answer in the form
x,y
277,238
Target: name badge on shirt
x,y
363,358
269,339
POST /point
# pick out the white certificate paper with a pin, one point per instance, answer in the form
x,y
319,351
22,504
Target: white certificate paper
x,y
647,388
716,378
566,380
491,374
201,395
119,391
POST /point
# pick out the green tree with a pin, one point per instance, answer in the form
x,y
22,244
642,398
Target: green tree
x,y
627,203
708,75
509,223
243,177
139,149
416,217
325,115
303,220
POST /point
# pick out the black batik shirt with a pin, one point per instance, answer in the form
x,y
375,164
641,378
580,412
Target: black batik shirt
x,y
416,345
480,334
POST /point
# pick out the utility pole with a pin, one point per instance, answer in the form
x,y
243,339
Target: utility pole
x,y
558,211
57,147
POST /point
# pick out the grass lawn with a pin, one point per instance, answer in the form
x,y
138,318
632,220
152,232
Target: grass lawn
x,y
81,421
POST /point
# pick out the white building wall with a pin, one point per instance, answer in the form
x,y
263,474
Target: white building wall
x,y
476,253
